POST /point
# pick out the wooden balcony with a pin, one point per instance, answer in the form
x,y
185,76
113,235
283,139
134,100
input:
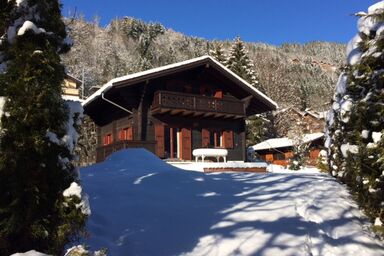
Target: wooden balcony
x,y
104,151
176,103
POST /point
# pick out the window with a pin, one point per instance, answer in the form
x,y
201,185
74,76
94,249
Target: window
x,y
126,134
278,156
107,139
217,139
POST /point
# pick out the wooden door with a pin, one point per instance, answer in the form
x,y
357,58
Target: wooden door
x,y
186,144
159,136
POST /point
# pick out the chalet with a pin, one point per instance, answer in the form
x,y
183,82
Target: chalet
x,y
289,121
173,109
70,88
280,150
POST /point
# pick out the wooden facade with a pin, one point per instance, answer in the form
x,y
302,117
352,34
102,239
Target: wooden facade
x,y
175,109
71,86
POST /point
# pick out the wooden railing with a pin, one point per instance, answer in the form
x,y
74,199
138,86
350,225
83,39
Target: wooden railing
x,y
104,151
176,100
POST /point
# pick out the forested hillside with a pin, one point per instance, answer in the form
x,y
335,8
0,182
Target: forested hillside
x,y
291,74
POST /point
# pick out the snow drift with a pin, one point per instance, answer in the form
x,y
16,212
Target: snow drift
x,y
143,206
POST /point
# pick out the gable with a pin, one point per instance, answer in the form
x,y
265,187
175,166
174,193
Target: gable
x,y
187,76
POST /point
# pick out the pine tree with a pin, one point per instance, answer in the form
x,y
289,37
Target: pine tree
x,y
239,62
355,124
36,210
218,53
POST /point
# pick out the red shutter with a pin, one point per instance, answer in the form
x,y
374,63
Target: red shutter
x,y
122,135
129,133
107,139
186,144
219,94
204,138
159,136
228,139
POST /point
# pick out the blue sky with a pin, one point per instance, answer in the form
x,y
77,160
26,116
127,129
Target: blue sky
x,y
270,21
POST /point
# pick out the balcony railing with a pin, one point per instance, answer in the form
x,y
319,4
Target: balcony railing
x,y
104,151
195,103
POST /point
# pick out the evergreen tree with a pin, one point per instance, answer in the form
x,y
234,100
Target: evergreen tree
x,y
355,124
36,144
239,62
218,53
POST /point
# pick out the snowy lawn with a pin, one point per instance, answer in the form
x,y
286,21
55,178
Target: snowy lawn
x,y
143,206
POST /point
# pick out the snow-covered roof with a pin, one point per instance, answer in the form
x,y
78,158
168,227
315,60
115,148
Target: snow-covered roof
x,y
315,114
285,142
142,76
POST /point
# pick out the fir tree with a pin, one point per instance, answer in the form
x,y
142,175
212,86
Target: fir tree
x,y
239,62
35,149
218,53
355,123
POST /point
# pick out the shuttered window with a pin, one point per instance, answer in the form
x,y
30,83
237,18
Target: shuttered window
x,y
107,139
126,134
228,139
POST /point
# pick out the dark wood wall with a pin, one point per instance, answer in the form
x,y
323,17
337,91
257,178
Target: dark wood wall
x,y
138,98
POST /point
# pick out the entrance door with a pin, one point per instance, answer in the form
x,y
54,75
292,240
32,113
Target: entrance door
x,y
177,143
171,142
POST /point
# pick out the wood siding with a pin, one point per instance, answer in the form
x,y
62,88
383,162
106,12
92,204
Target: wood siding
x,y
186,144
148,126
159,136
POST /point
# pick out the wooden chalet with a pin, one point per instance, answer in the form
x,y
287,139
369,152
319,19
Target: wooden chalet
x,y
173,109
70,87
280,150
290,120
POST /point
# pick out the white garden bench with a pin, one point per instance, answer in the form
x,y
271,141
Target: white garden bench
x,y
210,152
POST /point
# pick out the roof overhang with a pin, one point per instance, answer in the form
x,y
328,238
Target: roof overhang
x,y
147,75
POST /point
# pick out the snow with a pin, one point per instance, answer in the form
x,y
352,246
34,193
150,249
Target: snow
x,y
346,107
2,102
378,222
53,137
20,2
376,137
348,148
29,25
378,7
341,86
365,134
71,137
286,142
30,253
76,250
176,212
73,190
353,51
174,66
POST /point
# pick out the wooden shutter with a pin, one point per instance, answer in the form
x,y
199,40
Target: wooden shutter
x,y
219,94
107,139
129,133
122,135
159,136
186,144
228,139
204,138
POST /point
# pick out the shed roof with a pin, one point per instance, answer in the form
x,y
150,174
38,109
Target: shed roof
x,y
285,142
